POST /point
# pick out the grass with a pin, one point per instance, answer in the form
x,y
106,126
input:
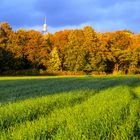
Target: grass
x,y
73,108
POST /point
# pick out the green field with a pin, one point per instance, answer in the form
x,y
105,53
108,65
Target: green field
x,y
70,108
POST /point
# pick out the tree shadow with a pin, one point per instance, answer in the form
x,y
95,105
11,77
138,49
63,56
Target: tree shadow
x,y
15,90
9,64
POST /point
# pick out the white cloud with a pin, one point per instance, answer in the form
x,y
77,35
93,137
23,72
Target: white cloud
x,y
102,15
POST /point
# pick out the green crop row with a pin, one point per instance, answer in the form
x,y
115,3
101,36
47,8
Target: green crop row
x,y
15,90
31,109
111,114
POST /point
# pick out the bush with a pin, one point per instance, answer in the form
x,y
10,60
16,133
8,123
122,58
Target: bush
x,y
61,73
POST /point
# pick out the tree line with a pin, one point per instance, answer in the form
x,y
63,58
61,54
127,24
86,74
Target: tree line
x,y
76,50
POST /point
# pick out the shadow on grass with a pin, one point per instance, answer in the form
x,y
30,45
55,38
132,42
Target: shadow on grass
x,y
22,89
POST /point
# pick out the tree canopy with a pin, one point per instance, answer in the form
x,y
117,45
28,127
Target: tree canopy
x,y
69,50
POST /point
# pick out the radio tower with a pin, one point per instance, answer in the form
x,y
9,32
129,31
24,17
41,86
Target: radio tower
x,y
44,27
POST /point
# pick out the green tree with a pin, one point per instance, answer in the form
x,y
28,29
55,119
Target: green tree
x,y
134,49
94,58
45,49
60,40
54,61
120,43
74,52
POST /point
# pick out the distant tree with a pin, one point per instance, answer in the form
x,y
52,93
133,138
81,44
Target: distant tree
x,y
45,49
6,35
31,50
74,52
60,40
94,59
134,49
6,60
71,50
105,48
54,61
120,43
6,38
3,38
116,51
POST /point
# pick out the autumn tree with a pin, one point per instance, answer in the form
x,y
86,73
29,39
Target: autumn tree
x,y
105,48
74,52
60,40
45,49
120,44
69,50
134,66
94,59
31,50
6,38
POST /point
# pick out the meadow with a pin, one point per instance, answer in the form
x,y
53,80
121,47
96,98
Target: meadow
x,y
70,108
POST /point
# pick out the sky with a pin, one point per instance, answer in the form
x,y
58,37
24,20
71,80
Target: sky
x,y
102,15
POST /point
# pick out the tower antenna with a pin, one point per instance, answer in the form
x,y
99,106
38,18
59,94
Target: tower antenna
x,y
44,27
45,20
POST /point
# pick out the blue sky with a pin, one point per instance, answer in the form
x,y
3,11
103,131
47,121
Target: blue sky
x,y
103,15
